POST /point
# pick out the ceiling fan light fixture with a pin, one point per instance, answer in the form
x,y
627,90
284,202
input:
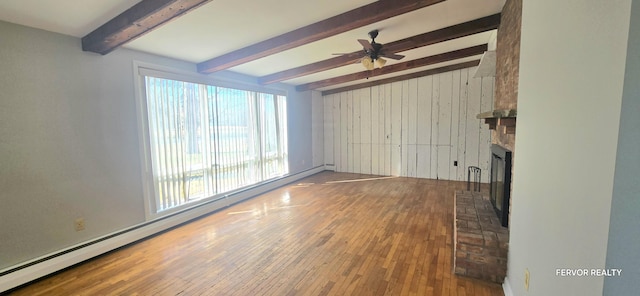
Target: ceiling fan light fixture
x,y
367,62
380,62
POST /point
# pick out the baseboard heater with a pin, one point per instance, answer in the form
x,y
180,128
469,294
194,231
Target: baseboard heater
x,y
29,271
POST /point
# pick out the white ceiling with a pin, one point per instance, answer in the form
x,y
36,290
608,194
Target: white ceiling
x,y
222,26
75,18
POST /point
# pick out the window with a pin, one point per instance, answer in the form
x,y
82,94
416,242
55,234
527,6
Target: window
x,y
205,140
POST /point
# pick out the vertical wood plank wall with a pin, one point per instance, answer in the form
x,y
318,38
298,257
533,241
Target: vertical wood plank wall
x,y
412,128
317,128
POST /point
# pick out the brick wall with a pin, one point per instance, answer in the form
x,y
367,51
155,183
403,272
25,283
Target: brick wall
x,y
507,65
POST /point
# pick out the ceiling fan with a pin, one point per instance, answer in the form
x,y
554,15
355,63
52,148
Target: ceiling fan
x,y
374,52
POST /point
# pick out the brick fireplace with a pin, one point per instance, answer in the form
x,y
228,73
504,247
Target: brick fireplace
x,y
480,233
500,186
507,68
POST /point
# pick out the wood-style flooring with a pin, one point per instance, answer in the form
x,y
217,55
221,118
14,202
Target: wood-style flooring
x,y
388,236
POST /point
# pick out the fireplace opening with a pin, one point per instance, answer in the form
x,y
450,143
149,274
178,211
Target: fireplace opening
x,y
500,189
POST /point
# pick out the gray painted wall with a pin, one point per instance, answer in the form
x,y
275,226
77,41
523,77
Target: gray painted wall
x,y
300,132
69,141
624,229
572,64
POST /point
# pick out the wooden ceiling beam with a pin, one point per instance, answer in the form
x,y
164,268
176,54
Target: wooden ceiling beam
x,y
403,77
456,31
430,60
136,21
316,67
361,16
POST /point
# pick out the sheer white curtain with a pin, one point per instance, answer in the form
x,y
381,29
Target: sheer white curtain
x,y
206,140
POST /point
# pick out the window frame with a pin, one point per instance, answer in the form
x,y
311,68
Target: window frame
x,y
142,69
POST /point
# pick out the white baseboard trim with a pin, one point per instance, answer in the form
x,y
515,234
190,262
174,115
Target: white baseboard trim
x,y
506,287
50,263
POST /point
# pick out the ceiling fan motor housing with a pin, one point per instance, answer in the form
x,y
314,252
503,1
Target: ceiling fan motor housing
x,y
376,47
373,34
376,50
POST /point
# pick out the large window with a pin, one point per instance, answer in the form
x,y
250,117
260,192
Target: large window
x,y
205,140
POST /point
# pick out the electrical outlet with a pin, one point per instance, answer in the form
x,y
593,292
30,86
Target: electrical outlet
x,y
79,224
455,163
526,279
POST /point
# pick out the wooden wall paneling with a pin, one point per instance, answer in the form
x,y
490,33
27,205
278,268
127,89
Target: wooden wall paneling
x,y
344,144
329,125
423,126
412,121
404,137
414,128
409,154
396,128
423,161
486,104
317,128
329,132
444,125
356,132
382,124
375,130
337,131
333,102
387,129
473,124
350,131
423,113
435,124
455,122
404,131
365,130
462,131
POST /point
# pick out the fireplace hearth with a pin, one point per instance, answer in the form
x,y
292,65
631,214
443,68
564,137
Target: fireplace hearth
x,y
500,187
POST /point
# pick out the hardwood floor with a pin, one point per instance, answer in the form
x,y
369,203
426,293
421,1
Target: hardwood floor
x,y
389,236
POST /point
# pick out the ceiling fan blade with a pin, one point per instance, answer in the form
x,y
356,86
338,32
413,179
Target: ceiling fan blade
x,y
366,44
354,57
392,56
